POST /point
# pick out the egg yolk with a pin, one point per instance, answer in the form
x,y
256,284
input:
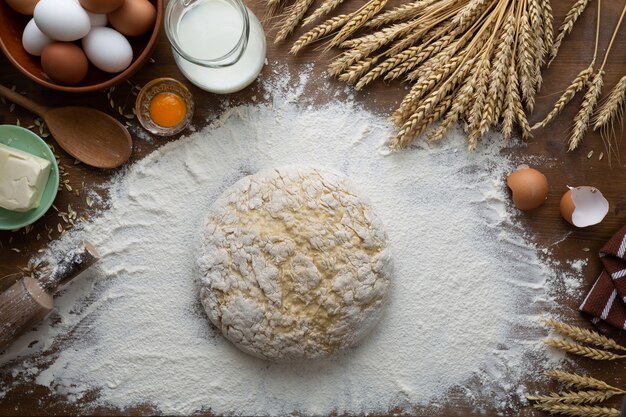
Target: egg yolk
x,y
167,109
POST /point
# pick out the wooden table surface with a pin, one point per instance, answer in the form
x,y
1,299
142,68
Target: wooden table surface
x,y
543,225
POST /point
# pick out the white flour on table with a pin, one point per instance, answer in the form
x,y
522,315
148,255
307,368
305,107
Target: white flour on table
x,y
466,294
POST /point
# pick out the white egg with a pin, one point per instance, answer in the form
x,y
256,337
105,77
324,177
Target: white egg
x,y
108,49
62,20
34,40
97,19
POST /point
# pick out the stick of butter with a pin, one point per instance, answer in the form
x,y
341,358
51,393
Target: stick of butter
x,y
23,177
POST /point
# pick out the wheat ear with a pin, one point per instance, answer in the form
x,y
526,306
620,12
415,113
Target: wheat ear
x,y
581,381
326,7
583,335
274,6
580,350
571,397
567,26
578,84
319,32
360,17
577,410
356,71
293,15
612,106
398,14
581,121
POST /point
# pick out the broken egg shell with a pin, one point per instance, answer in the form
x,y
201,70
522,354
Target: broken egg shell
x,y
584,206
529,187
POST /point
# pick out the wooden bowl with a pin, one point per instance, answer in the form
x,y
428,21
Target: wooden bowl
x,y
12,25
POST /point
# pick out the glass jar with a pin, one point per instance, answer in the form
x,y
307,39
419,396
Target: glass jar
x,y
219,45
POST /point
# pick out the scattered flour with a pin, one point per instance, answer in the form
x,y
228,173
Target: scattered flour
x,y
465,296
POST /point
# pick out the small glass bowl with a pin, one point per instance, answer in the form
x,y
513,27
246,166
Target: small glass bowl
x,y
153,89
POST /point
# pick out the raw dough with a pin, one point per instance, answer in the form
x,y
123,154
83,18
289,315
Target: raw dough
x,y
294,264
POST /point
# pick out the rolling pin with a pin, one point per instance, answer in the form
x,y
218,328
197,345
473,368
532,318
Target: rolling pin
x,y
30,300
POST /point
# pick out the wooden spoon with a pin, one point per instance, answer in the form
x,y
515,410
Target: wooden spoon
x,y
89,135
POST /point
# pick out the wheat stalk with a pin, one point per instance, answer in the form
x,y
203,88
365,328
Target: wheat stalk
x,y
581,121
568,24
581,381
612,106
580,350
405,12
527,58
571,397
319,32
361,16
357,70
583,335
577,410
274,6
578,84
293,15
548,21
326,7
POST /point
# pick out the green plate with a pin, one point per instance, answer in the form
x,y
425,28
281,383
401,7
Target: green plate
x,y
25,140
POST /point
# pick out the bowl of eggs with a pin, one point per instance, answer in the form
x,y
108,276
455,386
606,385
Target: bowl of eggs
x,y
79,45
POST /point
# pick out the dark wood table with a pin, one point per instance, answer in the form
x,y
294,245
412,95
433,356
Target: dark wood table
x,y
544,225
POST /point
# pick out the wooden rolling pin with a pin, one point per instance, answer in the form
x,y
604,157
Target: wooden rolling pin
x,y
29,300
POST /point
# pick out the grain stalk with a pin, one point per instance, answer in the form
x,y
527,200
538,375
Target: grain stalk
x,y
361,16
326,7
574,397
566,27
581,80
581,381
319,32
577,410
583,335
582,119
293,16
580,350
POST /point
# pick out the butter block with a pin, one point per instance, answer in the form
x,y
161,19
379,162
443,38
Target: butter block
x,y
23,177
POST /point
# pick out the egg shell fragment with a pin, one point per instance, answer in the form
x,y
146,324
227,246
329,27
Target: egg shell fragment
x,y
25,7
62,20
108,49
584,206
529,188
134,18
64,63
33,39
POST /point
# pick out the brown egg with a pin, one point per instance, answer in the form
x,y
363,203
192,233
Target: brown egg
x,y
64,63
529,187
101,6
134,18
23,6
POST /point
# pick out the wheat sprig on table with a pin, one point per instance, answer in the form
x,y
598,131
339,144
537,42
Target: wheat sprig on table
x,y
612,106
572,397
401,13
326,7
293,16
568,24
363,15
581,121
581,381
587,352
577,410
583,335
577,85
319,32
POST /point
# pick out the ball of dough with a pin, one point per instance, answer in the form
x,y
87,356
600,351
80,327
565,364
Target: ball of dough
x,y
294,264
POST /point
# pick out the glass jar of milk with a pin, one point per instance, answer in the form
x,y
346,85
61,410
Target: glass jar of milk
x,y
219,45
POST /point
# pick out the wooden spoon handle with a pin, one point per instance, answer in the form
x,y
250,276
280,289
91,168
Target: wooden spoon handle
x,y
22,101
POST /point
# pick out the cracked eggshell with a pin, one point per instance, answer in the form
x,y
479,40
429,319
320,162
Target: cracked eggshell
x,y
529,187
584,206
